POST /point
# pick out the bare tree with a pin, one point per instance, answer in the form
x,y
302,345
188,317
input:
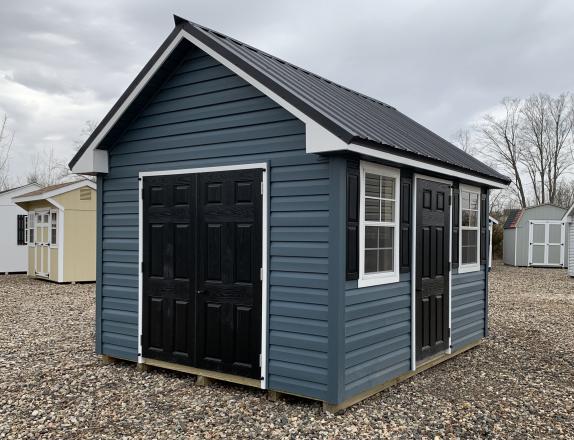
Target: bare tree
x,y
6,141
47,169
565,194
500,137
547,136
463,140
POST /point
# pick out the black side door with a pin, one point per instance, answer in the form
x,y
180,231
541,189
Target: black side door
x,y
228,277
168,272
432,267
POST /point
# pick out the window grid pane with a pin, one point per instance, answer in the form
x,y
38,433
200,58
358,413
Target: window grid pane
x,y
379,247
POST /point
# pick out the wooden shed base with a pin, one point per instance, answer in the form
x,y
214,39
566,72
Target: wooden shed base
x,y
205,377
435,360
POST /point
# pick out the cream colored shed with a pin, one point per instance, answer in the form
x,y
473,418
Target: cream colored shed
x,y
61,231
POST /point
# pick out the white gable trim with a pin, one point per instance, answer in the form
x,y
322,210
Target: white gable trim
x,y
55,192
317,138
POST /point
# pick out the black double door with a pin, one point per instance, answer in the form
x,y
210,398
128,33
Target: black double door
x,y
201,270
432,267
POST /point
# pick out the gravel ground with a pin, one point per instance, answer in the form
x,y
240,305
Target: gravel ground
x,y
518,384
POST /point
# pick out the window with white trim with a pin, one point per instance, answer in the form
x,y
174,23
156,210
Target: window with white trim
x,y
379,230
54,228
469,228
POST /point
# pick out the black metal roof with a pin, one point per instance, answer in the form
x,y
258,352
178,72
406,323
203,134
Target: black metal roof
x,y
350,115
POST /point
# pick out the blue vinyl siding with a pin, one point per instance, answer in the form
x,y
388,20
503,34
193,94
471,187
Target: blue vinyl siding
x,y
204,115
468,307
377,334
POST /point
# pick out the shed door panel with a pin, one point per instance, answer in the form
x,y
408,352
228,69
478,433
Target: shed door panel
x,y
432,278
229,262
168,277
202,258
547,243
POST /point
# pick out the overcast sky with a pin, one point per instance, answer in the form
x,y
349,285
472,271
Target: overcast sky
x,y
443,63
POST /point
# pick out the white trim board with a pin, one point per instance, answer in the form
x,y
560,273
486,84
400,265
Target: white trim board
x,y
55,192
264,246
375,279
317,138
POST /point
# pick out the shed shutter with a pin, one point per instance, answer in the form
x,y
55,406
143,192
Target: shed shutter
x,y
352,220
406,221
484,210
455,223
21,230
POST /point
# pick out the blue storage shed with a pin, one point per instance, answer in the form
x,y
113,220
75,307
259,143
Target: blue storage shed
x,y
258,223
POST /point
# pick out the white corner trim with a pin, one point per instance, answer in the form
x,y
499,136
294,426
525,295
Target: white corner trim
x,y
264,256
472,267
61,245
414,276
375,279
401,160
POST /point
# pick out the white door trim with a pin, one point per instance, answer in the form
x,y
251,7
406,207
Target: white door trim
x,y
546,243
264,242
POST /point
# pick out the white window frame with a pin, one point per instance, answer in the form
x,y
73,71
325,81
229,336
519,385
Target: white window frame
x,y
31,225
51,227
374,279
469,267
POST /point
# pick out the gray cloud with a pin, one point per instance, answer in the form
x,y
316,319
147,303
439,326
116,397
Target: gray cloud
x,y
442,63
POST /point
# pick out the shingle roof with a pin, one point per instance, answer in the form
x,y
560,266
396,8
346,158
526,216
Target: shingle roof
x,y
514,216
350,115
51,188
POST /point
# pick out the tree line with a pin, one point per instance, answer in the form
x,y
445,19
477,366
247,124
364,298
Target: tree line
x,y
531,140
47,167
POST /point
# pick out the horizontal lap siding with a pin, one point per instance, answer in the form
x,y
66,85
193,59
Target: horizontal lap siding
x,y
377,334
298,258
206,116
468,307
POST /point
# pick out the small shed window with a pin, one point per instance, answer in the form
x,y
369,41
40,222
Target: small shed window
x,y
379,232
21,229
54,228
469,229
30,228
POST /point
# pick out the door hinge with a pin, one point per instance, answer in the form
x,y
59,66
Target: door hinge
x,y
142,267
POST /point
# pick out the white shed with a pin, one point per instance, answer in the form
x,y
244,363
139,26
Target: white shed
x,y
569,221
536,236
13,220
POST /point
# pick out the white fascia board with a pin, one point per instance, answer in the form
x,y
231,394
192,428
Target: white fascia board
x,y
395,158
56,192
318,138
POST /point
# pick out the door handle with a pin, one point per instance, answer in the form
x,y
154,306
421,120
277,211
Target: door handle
x,y
201,292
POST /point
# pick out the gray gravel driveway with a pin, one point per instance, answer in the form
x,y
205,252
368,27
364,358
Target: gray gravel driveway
x,y
518,384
